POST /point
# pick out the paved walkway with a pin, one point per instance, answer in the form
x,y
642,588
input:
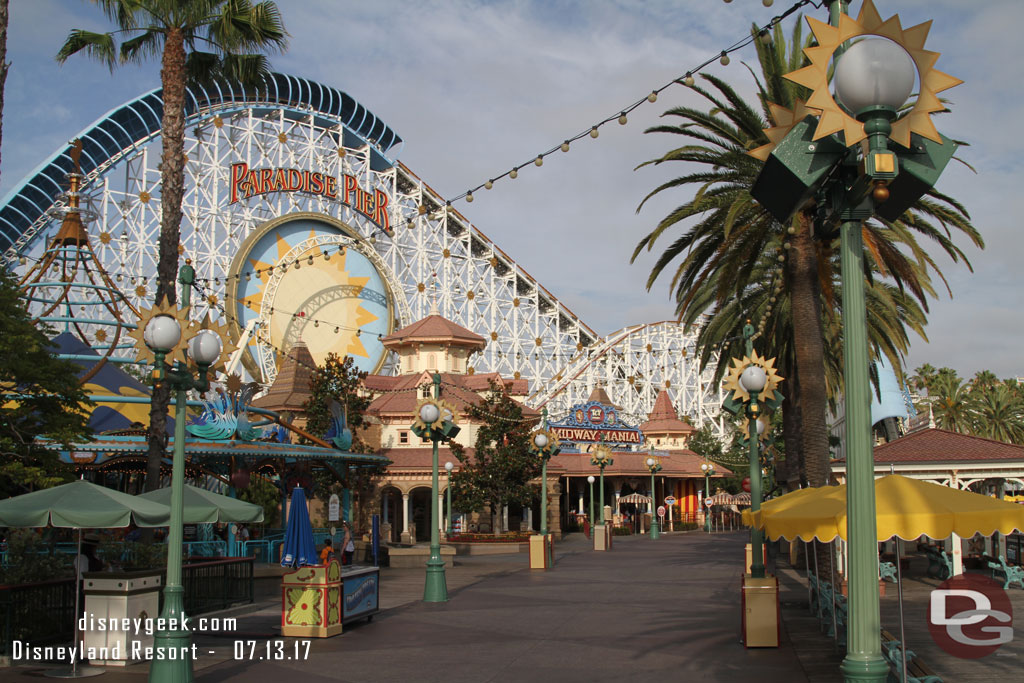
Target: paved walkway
x,y
646,611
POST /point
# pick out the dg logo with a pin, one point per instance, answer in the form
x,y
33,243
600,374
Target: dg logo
x,y
970,616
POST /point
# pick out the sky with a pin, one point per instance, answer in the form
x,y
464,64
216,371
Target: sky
x,y
477,87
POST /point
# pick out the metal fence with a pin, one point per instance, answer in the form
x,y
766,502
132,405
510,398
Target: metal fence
x,y
43,613
216,585
39,613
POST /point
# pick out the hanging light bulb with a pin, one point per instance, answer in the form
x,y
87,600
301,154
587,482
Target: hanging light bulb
x,y
489,184
653,97
539,161
316,323
593,132
767,3
469,196
724,60
514,173
766,37
309,261
688,80
336,330
373,239
565,146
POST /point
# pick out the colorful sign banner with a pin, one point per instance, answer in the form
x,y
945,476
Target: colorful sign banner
x,y
594,422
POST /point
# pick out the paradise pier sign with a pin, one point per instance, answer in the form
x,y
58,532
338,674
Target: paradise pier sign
x,y
594,422
247,182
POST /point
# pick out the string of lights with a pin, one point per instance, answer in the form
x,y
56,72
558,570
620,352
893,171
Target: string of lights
x,y
622,115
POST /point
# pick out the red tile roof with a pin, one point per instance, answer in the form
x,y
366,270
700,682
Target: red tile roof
x,y
401,397
943,446
434,329
421,458
664,419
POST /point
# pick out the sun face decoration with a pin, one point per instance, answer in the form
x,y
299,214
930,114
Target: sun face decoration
x,y
732,382
178,352
832,118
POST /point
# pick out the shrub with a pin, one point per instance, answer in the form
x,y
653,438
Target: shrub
x,y
622,531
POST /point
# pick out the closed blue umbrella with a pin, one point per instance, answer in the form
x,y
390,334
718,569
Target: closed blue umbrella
x,y
299,549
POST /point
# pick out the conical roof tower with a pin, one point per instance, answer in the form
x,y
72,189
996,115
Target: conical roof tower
x,y
68,288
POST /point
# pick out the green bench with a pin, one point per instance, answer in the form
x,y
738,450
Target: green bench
x,y
887,570
940,564
1011,573
917,670
822,606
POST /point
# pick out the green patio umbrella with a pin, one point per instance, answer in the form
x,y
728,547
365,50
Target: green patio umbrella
x,y
207,507
81,505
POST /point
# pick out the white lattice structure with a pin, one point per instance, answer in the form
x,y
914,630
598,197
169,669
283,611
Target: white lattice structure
x,y
433,251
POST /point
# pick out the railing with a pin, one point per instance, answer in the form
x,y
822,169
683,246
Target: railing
x,y
216,585
43,613
40,613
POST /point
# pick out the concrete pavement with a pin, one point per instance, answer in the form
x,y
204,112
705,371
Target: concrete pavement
x,y
647,611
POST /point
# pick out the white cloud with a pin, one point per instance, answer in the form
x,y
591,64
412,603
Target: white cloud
x,y
476,87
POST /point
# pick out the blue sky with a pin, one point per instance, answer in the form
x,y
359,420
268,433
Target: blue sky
x,y
477,87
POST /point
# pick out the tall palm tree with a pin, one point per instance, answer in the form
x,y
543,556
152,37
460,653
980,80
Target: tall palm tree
x,y
4,16
952,404
196,40
721,254
999,415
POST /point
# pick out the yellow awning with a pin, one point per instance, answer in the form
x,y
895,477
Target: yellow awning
x,y
905,507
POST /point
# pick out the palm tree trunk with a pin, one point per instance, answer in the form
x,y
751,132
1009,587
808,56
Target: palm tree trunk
x,y
172,182
3,61
809,347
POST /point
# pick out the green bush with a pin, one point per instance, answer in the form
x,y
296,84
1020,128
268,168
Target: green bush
x,y
30,559
622,531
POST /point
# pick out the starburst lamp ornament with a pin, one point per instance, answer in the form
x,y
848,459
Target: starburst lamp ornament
x,y
902,154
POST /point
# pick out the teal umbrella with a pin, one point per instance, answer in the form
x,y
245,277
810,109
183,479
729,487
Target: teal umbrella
x,y
206,507
81,505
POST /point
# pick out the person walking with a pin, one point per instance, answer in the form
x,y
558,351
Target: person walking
x,y
348,546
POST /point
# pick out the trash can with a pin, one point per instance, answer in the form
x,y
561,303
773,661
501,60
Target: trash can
x,y
114,597
760,606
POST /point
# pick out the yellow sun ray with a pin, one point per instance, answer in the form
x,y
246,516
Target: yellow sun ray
x,y
832,117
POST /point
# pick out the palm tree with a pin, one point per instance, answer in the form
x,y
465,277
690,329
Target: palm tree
x,y
4,15
999,415
230,33
721,255
952,404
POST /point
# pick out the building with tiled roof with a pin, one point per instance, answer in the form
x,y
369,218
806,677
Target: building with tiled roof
x,y
947,458
290,390
663,427
431,346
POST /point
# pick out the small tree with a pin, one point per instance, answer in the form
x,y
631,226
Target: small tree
x,y
41,398
501,471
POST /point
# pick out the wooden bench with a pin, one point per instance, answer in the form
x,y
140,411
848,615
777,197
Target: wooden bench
x,y
917,670
940,564
887,570
1011,573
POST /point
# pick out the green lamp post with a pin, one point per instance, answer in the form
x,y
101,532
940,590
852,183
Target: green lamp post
x,y
821,158
709,470
590,480
448,467
602,457
544,444
433,423
654,466
170,341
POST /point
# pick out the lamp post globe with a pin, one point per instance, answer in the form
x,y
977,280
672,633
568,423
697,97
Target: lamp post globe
x,y
540,441
874,72
760,428
753,378
205,347
162,333
429,413
704,467
449,466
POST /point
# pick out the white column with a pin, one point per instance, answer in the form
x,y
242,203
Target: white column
x,y
504,517
580,509
958,554
529,518
440,515
405,513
